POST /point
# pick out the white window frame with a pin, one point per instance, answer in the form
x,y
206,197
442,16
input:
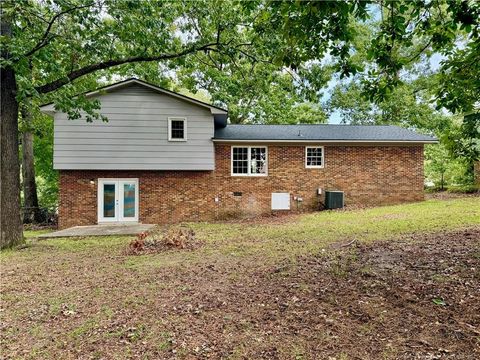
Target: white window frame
x,y
323,157
175,118
249,152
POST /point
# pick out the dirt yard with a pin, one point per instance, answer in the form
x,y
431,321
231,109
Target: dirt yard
x,y
411,297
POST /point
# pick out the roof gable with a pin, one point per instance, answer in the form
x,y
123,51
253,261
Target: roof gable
x,y
49,108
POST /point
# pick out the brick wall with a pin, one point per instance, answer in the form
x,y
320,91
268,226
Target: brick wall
x,y
372,175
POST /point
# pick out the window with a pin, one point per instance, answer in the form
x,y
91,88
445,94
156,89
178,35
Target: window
x,y
249,161
239,161
177,129
314,157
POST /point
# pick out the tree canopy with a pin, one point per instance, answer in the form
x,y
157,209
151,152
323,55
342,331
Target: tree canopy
x,y
267,61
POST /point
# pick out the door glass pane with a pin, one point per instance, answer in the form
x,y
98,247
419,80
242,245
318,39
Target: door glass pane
x,y
128,200
109,200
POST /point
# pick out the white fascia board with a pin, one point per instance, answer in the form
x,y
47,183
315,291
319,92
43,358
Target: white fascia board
x,y
398,142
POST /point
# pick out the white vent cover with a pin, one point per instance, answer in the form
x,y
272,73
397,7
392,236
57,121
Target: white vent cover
x,y
280,201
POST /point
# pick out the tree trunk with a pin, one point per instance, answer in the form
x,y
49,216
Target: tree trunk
x,y
31,211
10,220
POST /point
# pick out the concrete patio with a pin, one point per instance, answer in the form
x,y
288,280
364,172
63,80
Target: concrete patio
x,y
99,230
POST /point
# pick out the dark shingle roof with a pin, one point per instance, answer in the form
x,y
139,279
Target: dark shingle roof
x,y
320,132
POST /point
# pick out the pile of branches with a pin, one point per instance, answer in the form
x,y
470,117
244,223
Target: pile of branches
x,y
163,238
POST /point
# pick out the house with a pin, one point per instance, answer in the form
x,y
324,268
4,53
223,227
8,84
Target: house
x,y
163,157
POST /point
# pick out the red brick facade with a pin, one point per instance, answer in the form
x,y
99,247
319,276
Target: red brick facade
x,y
372,175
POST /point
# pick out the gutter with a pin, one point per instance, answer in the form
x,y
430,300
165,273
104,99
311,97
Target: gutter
x,y
319,141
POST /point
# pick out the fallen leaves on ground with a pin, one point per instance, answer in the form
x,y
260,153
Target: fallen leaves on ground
x,y
414,298
162,238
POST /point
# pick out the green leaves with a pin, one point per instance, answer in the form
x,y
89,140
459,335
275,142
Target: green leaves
x,y
410,30
47,178
463,140
54,41
438,301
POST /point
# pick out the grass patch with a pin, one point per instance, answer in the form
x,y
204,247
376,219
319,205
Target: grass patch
x,y
312,232
31,234
306,234
252,290
87,243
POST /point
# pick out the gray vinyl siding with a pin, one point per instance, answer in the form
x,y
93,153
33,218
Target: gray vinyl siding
x,y
136,135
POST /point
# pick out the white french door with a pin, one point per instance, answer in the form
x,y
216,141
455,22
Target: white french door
x,y
117,200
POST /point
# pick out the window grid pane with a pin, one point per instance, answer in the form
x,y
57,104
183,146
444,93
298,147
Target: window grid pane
x,y
177,128
258,160
314,156
240,160
249,160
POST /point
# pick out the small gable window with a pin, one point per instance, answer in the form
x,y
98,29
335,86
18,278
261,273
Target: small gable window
x,y
249,161
177,129
314,157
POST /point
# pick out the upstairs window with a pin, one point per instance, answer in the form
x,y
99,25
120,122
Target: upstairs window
x,y
249,161
177,129
314,157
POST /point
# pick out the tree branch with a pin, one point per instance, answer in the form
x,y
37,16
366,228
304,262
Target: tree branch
x,y
192,19
56,84
253,58
421,51
45,38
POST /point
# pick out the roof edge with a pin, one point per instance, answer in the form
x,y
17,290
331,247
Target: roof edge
x,y
48,108
318,141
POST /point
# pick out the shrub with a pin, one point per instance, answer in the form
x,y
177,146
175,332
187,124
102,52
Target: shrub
x,y
464,189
